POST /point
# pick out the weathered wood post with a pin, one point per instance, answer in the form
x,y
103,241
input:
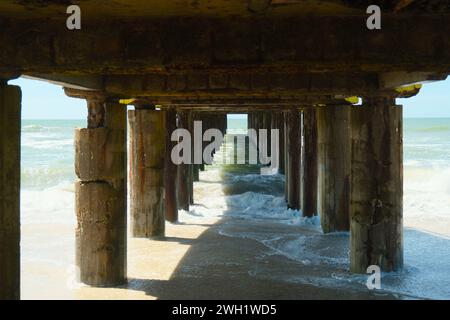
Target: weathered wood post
x,y
196,166
147,150
170,169
205,126
258,124
196,172
101,192
278,124
267,124
293,131
10,121
334,167
184,168
310,163
191,165
286,156
376,211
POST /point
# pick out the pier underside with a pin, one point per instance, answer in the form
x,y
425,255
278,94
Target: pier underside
x,y
297,66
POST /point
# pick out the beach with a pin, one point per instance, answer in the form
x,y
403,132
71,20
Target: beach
x,y
238,241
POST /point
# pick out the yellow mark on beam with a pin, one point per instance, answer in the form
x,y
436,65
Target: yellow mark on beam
x,y
126,101
411,88
352,100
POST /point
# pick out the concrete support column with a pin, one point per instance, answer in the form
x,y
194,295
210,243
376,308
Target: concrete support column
x,y
147,153
10,121
334,167
184,169
376,214
310,163
170,170
293,131
101,193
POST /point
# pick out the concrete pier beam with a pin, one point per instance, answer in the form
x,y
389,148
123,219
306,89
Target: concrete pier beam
x,y
101,194
10,121
147,161
376,211
334,167
170,170
310,163
293,131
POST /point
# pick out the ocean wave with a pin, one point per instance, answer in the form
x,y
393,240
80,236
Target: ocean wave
x,y
37,128
50,144
437,164
32,128
437,128
45,177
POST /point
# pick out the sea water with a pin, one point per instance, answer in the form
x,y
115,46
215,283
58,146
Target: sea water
x,y
47,202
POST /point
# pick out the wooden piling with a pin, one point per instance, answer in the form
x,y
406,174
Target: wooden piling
x,y
334,167
170,170
310,163
267,125
293,130
205,126
196,172
183,186
286,156
277,123
10,120
147,149
376,220
191,165
100,201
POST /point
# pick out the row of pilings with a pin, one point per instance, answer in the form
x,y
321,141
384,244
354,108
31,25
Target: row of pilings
x,y
344,163
341,162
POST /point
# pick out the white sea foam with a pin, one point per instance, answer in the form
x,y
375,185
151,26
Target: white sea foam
x,y
426,268
54,205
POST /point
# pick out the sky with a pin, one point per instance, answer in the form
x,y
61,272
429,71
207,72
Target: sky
x,y
42,100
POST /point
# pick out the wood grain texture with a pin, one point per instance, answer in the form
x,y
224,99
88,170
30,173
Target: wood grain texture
x,y
10,115
376,212
334,167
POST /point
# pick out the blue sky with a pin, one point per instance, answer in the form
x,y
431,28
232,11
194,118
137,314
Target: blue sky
x,y
42,100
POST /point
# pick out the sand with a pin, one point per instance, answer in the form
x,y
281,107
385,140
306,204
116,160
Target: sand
x,y
197,260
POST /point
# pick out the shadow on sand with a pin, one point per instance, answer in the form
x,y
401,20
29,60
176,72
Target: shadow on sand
x,y
241,258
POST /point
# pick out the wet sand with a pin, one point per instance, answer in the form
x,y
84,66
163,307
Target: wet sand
x,y
197,260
